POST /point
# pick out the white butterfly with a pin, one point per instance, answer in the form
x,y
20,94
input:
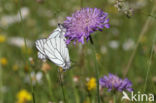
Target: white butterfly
x,y
54,48
59,32
39,45
57,51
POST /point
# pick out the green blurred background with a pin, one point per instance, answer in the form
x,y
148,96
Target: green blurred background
x,y
115,47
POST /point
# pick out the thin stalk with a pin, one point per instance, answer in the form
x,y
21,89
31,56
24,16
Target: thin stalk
x,y
49,84
75,89
114,98
143,32
32,87
76,95
61,82
149,63
1,84
97,73
26,58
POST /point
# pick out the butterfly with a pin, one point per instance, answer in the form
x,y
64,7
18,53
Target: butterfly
x,y
59,32
54,48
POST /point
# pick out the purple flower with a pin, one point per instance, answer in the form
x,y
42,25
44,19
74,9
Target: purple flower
x,y
114,82
84,22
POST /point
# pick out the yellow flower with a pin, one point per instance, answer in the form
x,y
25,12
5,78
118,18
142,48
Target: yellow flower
x,y
91,84
2,38
3,61
23,96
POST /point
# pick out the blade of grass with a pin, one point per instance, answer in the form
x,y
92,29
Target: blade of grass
x,y
114,98
50,86
26,56
61,82
74,87
149,63
143,32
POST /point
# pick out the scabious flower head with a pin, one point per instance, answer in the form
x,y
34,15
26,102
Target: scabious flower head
x,y
91,84
84,22
24,96
114,82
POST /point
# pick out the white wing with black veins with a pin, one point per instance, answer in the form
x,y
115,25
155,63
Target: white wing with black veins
x,y
56,51
39,45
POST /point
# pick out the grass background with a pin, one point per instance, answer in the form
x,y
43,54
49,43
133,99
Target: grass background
x,y
36,26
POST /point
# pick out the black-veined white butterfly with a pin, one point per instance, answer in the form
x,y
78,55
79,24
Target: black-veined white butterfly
x,y
54,48
39,45
57,51
59,32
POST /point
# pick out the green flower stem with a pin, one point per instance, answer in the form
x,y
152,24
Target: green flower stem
x,y
114,98
76,95
32,87
50,86
97,73
74,87
61,82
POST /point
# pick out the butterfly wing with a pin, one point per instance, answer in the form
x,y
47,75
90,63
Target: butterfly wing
x,y
64,52
56,50
39,45
59,32
55,33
